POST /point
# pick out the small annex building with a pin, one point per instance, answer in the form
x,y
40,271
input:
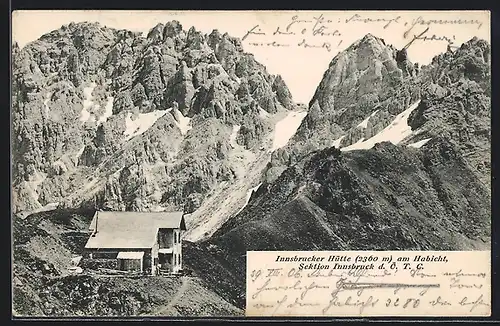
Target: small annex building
x,y
148,242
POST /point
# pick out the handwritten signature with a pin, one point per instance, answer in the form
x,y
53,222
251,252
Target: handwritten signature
x,y
474,303
421,21
321,32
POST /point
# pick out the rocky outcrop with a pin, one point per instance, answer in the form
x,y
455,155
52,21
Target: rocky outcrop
x,y
370,84
457,104
109,116
370,80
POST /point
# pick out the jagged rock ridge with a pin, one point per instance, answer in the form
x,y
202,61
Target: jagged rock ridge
x,y
428,191
434,196
370,84
109,118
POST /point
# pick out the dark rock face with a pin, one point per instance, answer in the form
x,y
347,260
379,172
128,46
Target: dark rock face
x,y
82,92
384,185
457,104
385,198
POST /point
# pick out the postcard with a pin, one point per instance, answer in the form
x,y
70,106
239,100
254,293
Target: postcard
x,y
250,163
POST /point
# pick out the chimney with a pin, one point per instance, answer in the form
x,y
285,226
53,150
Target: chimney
x,y
96,220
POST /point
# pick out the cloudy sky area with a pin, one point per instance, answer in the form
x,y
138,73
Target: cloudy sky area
x,y
301,67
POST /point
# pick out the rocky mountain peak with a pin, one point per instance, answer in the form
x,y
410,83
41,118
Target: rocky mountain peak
x,y
96,103
365,68
172,29
476,42
156,33
368,41
369,77
369,86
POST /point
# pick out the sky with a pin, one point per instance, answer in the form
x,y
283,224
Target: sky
x,y
298,45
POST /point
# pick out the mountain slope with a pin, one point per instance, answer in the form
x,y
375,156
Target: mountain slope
x,y
388,156
385,198
109,118
416,178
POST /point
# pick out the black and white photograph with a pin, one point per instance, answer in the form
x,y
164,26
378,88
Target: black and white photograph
x,y
151,150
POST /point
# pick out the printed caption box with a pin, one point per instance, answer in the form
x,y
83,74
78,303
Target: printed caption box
x,y
368,283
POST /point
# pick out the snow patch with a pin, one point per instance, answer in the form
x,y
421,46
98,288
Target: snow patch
x,y
142,123
419,143
90,184
249,194
59,163
108,111
364,124
76,260
117,173
395,132
182,122
46,102
87,102
51,206
234,134
39,177
75,269
158,208
79,154
336,142
263,113
158,164
32,185
47,208
286,128
239,157
360,141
